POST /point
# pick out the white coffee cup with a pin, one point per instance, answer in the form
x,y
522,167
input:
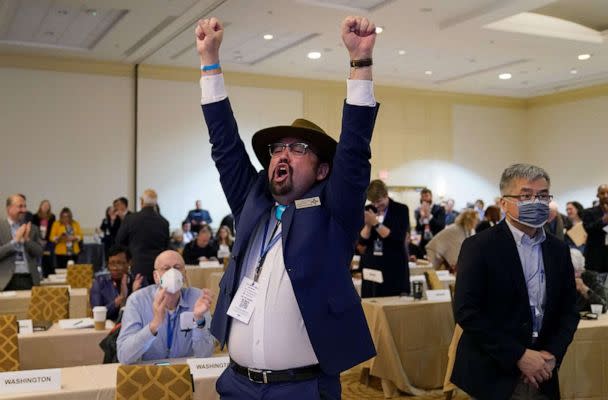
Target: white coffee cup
x,y
70,262
99,316
596,309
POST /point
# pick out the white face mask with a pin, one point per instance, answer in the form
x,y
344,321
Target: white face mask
x,y
172,281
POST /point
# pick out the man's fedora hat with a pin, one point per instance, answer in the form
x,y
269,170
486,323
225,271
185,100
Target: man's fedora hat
x,y
323,145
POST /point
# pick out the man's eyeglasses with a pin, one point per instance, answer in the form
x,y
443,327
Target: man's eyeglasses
x,y
544,197
298,149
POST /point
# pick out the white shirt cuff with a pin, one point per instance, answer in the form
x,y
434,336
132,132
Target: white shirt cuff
x,y
212,89
360,92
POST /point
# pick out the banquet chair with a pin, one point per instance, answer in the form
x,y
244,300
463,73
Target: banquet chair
x,y
9,345
49,303
154,382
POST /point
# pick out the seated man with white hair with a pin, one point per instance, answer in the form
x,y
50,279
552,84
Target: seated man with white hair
x,y
589,288
166,320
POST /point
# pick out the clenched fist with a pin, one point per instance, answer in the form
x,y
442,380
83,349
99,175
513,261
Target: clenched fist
x,y
359,36
209,34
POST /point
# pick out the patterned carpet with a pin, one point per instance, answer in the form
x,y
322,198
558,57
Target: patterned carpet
x,y
353,390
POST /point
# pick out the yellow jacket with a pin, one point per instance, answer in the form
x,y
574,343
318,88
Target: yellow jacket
x,y
57,230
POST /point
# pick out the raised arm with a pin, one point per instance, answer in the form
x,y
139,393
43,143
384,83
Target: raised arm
x,y
237,174
351,167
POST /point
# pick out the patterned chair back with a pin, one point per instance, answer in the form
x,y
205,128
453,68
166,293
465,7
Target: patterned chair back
x,y
154,382
9,345
432,280
80,276
49,303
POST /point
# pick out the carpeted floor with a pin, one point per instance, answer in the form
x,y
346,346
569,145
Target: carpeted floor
x,y
353,390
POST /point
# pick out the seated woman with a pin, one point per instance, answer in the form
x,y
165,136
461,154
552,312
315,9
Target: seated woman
x,y
224,241
443,250
589,288
67,235
202,248
111,290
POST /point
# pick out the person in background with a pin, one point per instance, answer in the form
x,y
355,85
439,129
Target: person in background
x,y
383,235
44,220
556,223
146,234
67,235
589,287
443,250
111,290
121,210
228,221
574,213
224,239
490,218
430,218
177,241
20,247
480,208
187,233
198,217
203,248
450,213
595,222
105,229
151,323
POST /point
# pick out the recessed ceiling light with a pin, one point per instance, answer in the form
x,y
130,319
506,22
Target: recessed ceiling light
x,y
92,12
584,57
428,72
268,36
314,55
379,29
573,71
504,76
401,52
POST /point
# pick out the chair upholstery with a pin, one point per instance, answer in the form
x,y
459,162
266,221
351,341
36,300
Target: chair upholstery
x,y
9,345
49,303
154,382
432,280
448,387
80,276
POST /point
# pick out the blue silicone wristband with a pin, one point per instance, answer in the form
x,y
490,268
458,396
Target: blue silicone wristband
x,y
211,67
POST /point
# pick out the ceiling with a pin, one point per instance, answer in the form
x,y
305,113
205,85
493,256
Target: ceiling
x,y
447,45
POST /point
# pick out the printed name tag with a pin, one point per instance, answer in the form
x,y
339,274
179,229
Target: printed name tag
x,y
438,295
372,275
210,367
306,203
26,326
444,273
30,381
243,304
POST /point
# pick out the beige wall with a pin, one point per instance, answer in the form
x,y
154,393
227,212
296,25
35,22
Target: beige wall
x,y
67,137
455,144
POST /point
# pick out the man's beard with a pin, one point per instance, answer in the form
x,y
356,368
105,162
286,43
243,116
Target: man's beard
x,y
281,189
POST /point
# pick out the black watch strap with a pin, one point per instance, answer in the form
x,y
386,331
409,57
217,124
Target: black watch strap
x,y
365,62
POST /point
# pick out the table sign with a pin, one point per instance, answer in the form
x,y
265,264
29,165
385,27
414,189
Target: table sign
x,y
10,293
438,295
372,275
26,326
37,380
208,367
444,273
209,264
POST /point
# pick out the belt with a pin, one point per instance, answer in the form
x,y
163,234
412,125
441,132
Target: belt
x,y
285,375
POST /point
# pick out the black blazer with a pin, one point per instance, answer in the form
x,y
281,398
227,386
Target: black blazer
x,y
596,251
393,263
146,233
491,305
36,221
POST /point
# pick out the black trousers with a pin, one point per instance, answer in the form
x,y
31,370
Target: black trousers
x,y
62,261
20,282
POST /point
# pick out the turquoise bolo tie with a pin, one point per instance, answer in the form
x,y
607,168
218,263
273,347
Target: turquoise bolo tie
x,y
278,211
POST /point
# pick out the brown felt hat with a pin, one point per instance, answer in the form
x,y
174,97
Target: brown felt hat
x,y
324,145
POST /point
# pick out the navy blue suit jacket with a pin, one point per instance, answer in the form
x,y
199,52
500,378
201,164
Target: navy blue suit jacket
x,y
318,242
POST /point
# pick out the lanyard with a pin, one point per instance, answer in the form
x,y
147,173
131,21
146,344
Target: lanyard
x,y
171,329
265,249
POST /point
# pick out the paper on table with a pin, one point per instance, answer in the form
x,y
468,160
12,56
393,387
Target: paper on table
x,y
209,264
10,293
76,323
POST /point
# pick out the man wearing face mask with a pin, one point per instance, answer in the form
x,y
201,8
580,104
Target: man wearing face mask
x,y
166,320
287,306
515,298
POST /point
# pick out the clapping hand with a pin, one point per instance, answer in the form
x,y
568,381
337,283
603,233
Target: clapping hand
x,y
203,304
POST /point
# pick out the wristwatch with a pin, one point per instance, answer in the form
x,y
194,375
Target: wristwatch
x,y
365,62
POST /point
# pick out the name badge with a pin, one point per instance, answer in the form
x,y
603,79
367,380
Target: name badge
x,y
210,367
243,304
26,326
310,202
186,321
438,295
39,380
372,275
443,273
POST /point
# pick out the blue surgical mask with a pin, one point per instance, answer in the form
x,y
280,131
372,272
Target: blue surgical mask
x,y
532,213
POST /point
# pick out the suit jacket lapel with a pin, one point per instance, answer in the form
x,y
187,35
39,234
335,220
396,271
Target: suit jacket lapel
x,y
290,212
5,232
549,265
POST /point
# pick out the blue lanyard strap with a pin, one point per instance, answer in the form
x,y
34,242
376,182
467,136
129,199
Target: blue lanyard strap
x,y
171,329
274,238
